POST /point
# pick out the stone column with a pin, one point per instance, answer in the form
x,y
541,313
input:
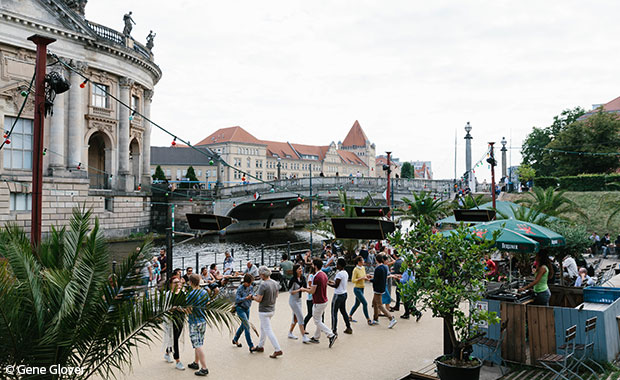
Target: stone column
x,y
125,182
56,144
504,150
471,178
77,110
146,139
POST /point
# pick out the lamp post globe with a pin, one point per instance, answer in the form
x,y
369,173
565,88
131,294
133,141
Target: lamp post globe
x,y
468,127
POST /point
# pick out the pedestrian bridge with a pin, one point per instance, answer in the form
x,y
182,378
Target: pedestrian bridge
x,y
277,198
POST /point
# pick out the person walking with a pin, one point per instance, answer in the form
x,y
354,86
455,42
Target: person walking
x,y
339,302
243,301
309,299
358,278
319,303
266,297
379,285
297,285
410,308
197,298
173,328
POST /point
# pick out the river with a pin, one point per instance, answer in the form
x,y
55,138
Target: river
x,y
211,248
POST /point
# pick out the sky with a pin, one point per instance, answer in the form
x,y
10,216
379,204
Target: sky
x,y
412,72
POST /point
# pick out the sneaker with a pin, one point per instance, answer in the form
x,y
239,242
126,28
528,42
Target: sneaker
x,y
351,319
292,336
418,316
332,339
168,358
202,372
314,340
193,365
305,339
348,331
179,366
373,323
369,322
405,316
394,308
393,321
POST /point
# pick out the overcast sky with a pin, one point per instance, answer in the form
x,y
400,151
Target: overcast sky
x,y
411,72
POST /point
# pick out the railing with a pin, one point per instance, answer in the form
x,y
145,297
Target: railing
x,y
118,38
107,33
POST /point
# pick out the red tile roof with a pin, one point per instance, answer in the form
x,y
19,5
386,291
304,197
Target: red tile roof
x,y
311,150
355,137
350,158
231,134
282,149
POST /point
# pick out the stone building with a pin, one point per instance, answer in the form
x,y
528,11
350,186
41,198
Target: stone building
x,y
269,160
97,151
394,163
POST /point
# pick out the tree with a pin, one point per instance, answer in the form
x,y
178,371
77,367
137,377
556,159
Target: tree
x,y
576,236
533,150
527,215
60,304
598,134
424,208
449,271
191,178
550,202
159,174
406,171
469,201
526,173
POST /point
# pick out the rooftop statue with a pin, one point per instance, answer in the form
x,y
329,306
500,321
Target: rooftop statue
x,y
149,40
128,21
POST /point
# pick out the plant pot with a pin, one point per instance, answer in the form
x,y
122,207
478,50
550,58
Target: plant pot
x,y
450,372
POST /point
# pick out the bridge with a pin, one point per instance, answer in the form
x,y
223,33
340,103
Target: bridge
x,y
278,198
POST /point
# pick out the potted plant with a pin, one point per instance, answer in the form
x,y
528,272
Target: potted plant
x,y
449,274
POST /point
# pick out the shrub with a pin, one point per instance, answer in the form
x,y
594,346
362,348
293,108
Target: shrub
x,y
546,182
584,182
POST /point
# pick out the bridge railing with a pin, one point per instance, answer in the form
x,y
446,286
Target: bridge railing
x,y
372,184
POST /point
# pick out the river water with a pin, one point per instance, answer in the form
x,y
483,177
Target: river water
x,y
211,248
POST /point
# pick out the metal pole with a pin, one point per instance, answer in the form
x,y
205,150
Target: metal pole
x,y
310,209
114,267
388,182
172,220
37,144
183,263
168,253
197,263
240,265
262,254
493,195
288,247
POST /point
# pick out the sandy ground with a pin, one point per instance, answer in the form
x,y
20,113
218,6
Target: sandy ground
x,y
369,353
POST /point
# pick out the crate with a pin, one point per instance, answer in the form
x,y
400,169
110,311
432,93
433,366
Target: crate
x,y
598,294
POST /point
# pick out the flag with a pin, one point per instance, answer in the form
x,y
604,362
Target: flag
x,y
256,195
385,194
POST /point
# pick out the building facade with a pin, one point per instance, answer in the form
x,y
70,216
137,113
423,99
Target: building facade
x,y
96,150
251,160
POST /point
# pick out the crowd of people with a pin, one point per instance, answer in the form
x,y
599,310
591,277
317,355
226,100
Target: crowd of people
x,y
304,277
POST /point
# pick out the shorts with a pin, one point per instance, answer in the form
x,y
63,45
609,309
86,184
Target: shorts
x,y
197,333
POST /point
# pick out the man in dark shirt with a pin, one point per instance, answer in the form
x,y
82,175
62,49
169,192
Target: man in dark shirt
x,y
397,271
188,273
379,282
364,253
162,263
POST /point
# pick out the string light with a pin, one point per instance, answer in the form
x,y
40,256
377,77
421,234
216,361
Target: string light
x,y
139,186
83,84
7,141
131,116
24,93
79,166
44,151
174,142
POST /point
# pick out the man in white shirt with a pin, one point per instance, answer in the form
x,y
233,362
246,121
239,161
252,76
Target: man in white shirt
x,y
339,302
251,269
570,268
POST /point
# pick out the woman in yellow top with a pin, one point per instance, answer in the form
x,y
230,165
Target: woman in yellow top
x,y
358,278
544,269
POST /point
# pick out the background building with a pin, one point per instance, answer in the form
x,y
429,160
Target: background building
x,y
97,152
269,160
422,169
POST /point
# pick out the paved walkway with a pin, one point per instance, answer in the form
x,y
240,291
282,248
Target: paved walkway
x,y
369,353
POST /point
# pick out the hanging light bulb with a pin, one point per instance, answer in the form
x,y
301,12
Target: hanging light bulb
x,y
363,211
272,190
6,135
234,204
243,178
44,151
83,84
287,203
24,93
298,199
79,166
166,194
174,142
253,204
271,204
7,141
131,116
139,186
191,199
342,208
210,162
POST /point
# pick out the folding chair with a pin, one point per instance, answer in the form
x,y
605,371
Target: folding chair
x,y
587,348
495,345
560,364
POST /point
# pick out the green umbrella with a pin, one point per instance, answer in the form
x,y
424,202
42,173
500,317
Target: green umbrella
x,y
508,240
543,235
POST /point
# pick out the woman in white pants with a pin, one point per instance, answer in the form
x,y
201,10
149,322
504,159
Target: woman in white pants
x,y
296,286
266,297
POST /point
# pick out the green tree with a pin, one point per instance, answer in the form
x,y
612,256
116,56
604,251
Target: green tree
x,y
526,173
61,305
550,202
533,150
576,236
449,271
424,208
599,133
191,178
469,201
159,174
527,215
406,171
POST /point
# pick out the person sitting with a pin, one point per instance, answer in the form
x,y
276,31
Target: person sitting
x,y
570,271
204,274
188,272
228,264
251,269
491,268
583,279
215,274
329,264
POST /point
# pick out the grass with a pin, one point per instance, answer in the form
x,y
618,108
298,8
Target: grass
x,y
595,204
